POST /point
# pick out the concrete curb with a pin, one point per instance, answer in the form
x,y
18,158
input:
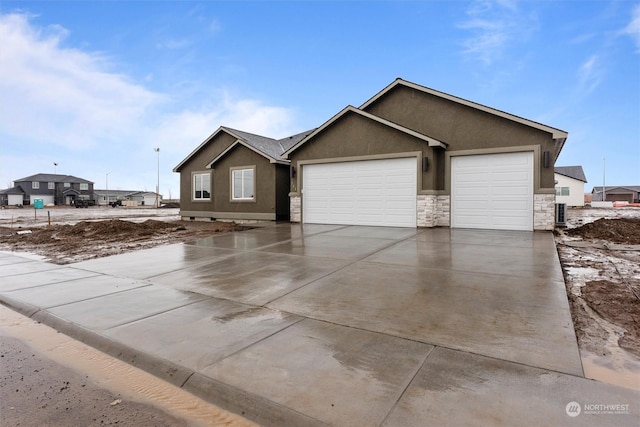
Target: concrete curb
x,y
248,405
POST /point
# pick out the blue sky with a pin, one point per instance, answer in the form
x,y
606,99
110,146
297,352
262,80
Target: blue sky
x,y
94,86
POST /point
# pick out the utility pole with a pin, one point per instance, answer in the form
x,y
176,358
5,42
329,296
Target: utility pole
x,y
604,194
157,150
107,190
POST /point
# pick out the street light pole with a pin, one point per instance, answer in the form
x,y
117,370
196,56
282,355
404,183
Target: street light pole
x,y
157,150
107,190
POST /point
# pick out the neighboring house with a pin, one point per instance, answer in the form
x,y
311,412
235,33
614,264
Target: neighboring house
x,y
413,156
236,175
53,189
570,182
12,196
629,193
141,198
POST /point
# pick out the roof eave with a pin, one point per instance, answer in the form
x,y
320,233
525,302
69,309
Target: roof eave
x,y
350,108
556,133
199,147
232,146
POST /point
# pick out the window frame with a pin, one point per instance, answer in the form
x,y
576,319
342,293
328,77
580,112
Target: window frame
x,y
35,185
84,186
241,169
560,191
193,186
51,185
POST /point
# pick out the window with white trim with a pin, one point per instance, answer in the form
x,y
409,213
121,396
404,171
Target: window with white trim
x,y
67,184
52,185
562,191
35,185
84,186
242,184
202,186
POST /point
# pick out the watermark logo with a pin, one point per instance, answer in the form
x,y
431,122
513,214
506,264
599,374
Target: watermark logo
x,y
573,409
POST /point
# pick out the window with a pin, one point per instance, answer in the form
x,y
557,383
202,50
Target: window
x,y
51,186
562,191
35,185
242,184
84,186
202,186
67,184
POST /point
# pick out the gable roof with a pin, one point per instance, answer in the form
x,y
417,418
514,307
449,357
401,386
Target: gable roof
x,y
574,172
628,188
351,109
269,148
559,136
557,133
13,190
50,177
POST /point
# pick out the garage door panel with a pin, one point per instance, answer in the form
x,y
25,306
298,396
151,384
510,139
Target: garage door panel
x,y
375,192
492,191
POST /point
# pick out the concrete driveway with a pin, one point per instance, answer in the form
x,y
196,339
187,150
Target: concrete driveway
x,y
315,325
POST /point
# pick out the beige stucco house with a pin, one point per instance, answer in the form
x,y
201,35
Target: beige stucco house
x,y
413,156
570,181
408,157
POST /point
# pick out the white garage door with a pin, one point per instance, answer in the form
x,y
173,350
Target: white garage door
x,y
372,192
493,191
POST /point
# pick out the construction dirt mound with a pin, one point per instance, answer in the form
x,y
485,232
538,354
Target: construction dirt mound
x,y
623,230
63,244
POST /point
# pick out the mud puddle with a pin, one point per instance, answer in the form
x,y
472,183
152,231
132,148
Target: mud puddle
x,y
115,375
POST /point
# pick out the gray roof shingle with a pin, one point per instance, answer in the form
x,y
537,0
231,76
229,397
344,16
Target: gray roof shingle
x,y
574,172
50,177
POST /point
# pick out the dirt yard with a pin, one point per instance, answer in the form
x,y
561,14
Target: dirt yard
x,y
600,256
80,234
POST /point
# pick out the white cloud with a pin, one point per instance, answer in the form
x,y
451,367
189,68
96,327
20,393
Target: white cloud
x,y
72,106
633,28
494,25
590,74
62,95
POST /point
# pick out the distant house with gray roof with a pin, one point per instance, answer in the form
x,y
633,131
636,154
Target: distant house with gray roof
x,y
236,175
53,189
569,183
626,193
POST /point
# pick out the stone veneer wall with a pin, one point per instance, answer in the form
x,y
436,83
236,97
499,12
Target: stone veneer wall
x,y
432,210
443,211
426,210
294,209
544,211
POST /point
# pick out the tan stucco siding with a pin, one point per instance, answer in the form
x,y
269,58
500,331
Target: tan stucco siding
x,y
265,180
198,163
355,136
462,127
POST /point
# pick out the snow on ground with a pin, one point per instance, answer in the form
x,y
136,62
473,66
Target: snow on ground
x,y
29,217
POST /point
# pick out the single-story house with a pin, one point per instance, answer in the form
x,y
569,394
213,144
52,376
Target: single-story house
x,y
13,196
141,198
627,193
413,156
410,156
53,189
570,182
236,175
